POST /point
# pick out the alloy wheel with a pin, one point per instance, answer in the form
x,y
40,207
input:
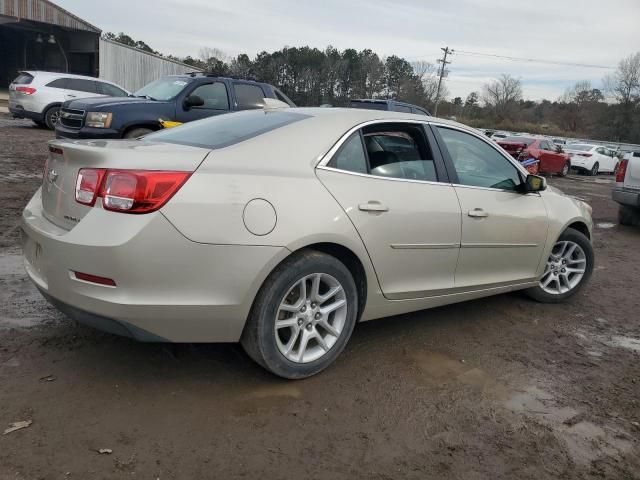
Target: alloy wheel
x,y
565,268
55,116
594,170
310,318
565,170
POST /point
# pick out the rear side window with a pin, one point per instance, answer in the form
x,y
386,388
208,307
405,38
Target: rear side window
x,y
58,83
81,85
23,79
110,90
249,96
225,130
351,156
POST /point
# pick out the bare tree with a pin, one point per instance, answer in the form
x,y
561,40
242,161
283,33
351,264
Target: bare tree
x,y
502,95
428,74
624,84
208,53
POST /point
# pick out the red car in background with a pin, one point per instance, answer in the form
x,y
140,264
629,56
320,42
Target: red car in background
x,y
537,154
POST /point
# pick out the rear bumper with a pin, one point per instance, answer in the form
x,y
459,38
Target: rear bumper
x,y
20,112
168,288
626,197
86,133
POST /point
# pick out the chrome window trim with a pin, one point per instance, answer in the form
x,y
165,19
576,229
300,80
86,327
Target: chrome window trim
x,y
378,177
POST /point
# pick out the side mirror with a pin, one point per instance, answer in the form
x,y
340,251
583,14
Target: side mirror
x,y
535,183
193,101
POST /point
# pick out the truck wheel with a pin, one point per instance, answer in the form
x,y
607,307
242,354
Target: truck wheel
x,y
137,132
629,216
51,117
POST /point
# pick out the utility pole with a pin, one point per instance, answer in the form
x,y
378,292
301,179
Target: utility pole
x,y
447,51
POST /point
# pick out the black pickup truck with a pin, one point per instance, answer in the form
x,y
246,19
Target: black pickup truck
x,y
180,98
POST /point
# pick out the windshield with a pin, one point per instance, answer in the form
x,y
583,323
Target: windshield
x,y
582,148
526,140
163,88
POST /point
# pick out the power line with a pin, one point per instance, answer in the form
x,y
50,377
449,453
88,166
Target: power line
x,y
533,60
447,51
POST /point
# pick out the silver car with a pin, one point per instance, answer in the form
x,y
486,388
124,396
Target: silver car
x,y
282,228
39,95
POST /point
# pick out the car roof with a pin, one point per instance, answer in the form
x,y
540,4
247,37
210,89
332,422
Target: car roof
x,y
197,76
42,73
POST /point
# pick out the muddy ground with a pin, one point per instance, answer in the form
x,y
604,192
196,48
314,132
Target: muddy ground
x,y
497,388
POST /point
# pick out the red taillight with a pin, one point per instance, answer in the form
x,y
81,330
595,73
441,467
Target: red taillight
x,y
26,90
87,277
622,170
88,185
129,191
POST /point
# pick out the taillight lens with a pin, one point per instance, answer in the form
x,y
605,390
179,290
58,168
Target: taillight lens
x,y
88,185
26,90
622,170
129,191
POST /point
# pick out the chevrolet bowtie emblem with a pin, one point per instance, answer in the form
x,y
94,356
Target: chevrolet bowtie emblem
x,y
52,175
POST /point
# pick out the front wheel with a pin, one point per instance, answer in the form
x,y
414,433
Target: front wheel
x,y
51,117
137,132
303,315
568,268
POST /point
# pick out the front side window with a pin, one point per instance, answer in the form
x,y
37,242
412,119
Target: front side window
x,y
214,96
477,163
351,156
249,96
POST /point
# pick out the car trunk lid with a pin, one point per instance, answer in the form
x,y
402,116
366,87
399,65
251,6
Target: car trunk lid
x,y
513,148
66,158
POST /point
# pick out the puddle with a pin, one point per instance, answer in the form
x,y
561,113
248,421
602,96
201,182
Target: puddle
x,y
585,441
625,342
605,225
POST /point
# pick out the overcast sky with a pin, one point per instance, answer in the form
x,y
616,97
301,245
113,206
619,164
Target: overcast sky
x,y
594,32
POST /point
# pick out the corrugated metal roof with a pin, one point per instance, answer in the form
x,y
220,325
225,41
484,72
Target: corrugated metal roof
x,y
44,11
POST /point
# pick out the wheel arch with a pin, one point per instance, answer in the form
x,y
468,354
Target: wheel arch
x,y
581,227
155,126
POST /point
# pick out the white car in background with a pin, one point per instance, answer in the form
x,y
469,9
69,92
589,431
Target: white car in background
x,y
39,95
591,159
627,189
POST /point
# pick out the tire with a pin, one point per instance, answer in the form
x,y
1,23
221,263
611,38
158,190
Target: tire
x,y
578,256
275,348
629,216
51,117
594,170
137,132
565,169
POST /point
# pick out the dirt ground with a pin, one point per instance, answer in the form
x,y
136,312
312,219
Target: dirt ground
x,y
496,388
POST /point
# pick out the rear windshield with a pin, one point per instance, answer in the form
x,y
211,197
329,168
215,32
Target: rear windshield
x,y
368,105
582,148
526,140
225,130
23,79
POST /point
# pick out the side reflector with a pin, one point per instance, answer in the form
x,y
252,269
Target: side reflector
x,y
87,277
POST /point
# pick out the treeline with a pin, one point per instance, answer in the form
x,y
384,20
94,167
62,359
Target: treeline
x,y
311,77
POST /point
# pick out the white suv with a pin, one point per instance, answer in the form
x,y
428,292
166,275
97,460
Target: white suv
x,y
39,95
627,189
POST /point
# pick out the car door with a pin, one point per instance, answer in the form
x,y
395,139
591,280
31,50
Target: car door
x,y
503,231
551,161
215,97
404,209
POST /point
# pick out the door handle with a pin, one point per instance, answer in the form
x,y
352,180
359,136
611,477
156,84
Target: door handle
x,y
477,213
372,207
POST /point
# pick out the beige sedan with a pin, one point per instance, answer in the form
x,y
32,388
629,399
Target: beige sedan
x,y
283,228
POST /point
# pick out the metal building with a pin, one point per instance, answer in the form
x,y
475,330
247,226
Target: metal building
x,y
132,68
39,35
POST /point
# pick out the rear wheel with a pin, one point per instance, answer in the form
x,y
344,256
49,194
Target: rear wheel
x,y
629,216
51,117
565,169
303,315
594,170
137,132
568,268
